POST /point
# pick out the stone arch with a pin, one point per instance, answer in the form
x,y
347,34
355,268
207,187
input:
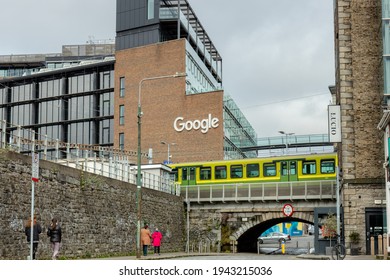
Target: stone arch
x,y
262,221
262,217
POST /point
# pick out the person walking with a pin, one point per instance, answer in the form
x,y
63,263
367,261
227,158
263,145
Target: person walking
x,y
37,229
157,236
54,232
145,239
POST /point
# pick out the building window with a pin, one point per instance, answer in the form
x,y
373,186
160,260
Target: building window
x,y
122,87
121,114
121,141
150,9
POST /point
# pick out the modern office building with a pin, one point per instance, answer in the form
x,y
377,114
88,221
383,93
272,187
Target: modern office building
x,y
164,63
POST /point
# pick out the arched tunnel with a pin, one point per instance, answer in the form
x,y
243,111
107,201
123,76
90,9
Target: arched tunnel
x,y
247,242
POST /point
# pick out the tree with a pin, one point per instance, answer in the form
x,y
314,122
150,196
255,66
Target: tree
x,y
329,227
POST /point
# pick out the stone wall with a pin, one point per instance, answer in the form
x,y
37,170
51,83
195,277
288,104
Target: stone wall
x,y
97,214
222,225
359,91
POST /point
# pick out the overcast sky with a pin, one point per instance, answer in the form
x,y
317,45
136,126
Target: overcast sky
x,y
278,56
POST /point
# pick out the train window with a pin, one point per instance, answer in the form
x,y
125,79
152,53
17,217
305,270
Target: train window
x,y
293,168
252,170
184,174
269,169
174,175
205,173
236,171
327,166
309,167
220,172
284,168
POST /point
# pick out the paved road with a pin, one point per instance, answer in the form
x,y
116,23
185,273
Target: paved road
x,y
296,249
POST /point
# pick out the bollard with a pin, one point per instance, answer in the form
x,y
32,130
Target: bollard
x,y
380,246
283,247
372,244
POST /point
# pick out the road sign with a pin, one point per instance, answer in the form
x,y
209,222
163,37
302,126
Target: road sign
x,y
35,167
288,210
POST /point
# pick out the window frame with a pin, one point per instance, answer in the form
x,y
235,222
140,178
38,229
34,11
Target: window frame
x,y
218,169
309,162
121,114
265,169
205,168
122,87
248,170
332,161
233,170
121,141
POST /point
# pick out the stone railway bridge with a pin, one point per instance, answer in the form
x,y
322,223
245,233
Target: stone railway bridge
x,y
234,223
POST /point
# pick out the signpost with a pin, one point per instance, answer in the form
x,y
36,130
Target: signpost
x,y
34,179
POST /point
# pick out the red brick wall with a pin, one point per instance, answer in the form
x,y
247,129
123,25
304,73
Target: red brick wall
x,y
162,101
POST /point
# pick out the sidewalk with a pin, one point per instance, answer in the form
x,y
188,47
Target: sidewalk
x,y
183,254
325,257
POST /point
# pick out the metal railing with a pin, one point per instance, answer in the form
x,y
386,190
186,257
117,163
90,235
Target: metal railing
x,y
275,191
105,161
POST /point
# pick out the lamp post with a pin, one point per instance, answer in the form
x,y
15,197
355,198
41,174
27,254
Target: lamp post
x,y
169,155
286,134
139,180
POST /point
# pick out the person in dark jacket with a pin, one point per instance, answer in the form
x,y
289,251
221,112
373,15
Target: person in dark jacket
x,y
36,232
54,232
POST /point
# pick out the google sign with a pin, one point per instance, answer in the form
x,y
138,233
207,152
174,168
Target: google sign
x,y
204,125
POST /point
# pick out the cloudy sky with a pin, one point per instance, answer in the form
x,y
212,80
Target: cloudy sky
x,y
278,56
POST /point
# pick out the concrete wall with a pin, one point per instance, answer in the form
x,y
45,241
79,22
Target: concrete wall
x,y
97,214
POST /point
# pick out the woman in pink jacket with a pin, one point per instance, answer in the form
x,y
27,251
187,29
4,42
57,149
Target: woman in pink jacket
x,y
157,236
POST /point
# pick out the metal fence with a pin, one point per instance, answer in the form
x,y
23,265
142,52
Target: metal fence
x,y
106,161
275,191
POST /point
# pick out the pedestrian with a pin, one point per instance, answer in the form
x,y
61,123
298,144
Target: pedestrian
x,y
54,232
145,238
37,229
157,236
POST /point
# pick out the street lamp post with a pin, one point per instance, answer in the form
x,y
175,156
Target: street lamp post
x,y
169,155
139,180
286,134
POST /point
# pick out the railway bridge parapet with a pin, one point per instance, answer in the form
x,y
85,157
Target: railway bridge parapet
x,y
239,223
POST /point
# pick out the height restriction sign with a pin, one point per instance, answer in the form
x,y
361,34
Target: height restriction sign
x,y
35,167
288,210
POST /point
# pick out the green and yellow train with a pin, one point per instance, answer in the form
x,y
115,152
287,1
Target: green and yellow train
x,y
272,169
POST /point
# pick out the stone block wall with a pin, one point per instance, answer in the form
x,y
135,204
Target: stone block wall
x,y
358,41
97,214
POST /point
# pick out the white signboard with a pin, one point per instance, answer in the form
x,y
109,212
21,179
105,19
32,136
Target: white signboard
x,y
35,167
334,123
